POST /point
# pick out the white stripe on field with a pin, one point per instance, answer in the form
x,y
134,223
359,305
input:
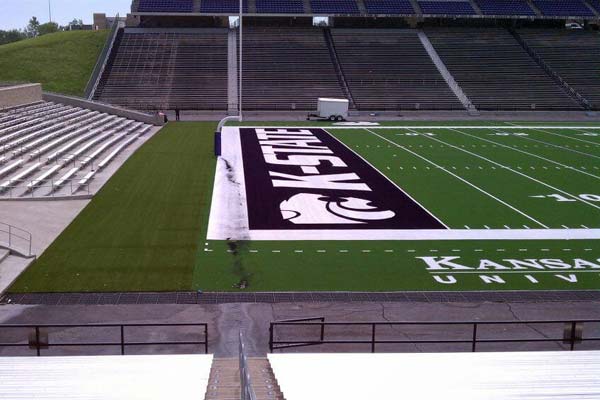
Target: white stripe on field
x,y
512,170
459,178
526,152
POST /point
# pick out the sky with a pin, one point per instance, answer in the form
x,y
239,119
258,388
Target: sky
x,y
15,14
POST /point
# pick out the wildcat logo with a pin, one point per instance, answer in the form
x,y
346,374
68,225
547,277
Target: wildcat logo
x,y
311,208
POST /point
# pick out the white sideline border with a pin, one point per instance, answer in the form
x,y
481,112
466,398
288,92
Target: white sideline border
x,y
327,127
228,218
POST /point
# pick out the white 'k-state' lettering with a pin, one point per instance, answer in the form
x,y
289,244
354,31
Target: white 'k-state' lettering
x,y
308,152
330,181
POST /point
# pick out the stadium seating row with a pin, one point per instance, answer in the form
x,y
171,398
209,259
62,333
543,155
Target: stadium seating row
x,y
45,146
381,69
154,70
573,55
551,8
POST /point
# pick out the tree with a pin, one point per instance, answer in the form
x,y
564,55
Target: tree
x,y
33,28
76,22
49,27
11,36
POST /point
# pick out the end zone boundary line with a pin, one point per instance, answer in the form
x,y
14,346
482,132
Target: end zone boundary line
x,y
512,127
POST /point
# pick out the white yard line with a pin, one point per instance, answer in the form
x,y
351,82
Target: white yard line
x,y
528,153
540,128
513,171
559,146
386,177
459,178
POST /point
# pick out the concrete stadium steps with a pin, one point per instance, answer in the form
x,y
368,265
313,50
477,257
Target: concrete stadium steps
x,y
495,72
224,381
159,69
287,69
573,55
389,69
60,155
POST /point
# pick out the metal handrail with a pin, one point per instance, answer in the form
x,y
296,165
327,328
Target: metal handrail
x,y
247,392
573,333
36,343
10,234
102,59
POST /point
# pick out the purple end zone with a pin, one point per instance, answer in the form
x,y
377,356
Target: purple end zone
x,y
306,179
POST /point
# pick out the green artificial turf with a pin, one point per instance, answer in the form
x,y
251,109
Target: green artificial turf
x,y
62,62
146,229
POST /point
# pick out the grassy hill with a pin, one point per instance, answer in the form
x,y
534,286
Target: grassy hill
x,y
61,61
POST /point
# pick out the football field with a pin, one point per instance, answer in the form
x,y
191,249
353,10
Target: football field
x,y
322,207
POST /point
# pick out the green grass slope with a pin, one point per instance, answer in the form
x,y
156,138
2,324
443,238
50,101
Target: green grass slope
x,y
62,62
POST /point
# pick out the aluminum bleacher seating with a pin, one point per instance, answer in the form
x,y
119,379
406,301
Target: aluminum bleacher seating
x,y
563,8
446,7
222,6
495,72
287,68
505,7
280,7
180,6
389,7
161,69
574,55
388,69
334,7
62,143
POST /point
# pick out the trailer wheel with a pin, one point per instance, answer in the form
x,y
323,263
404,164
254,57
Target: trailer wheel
x,y
339,118
332,118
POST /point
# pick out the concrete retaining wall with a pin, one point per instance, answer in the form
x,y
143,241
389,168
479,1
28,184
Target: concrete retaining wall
x,y
18,95
102,107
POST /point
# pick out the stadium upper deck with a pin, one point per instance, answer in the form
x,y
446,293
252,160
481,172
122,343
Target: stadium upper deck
x,y
531,9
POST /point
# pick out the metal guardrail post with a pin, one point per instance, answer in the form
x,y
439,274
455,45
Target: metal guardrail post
x,y
247,392
373,338
205,338
122,340
474,346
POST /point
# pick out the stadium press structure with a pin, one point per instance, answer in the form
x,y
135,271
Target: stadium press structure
x,y
485,208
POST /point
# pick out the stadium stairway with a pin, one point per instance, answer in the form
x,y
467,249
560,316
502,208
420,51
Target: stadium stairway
x,y
452,84
338,67
568,89
224,380
534,8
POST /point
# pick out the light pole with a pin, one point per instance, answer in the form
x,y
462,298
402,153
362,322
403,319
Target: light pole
x,y
240,68
50,10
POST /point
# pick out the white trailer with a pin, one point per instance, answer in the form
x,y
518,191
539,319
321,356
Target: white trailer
x,y
331,109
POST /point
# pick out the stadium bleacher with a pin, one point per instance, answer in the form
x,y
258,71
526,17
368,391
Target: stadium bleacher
x,y
334,7
595,5
164,69
223,6
446,7
505,7
182,6
390,70
574,55
287,68
563,8
280,7
495,72
46,146
389,7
